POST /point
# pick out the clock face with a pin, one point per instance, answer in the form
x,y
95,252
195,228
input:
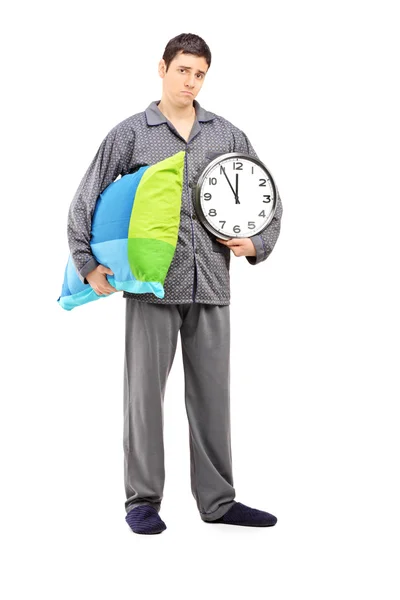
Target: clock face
x,y
235,196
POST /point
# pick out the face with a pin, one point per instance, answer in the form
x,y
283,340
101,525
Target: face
x,y
184,78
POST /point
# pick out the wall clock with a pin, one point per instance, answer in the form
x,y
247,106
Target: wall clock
x,y
235,196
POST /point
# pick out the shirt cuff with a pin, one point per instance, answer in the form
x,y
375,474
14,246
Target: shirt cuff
x,y
260,249
86,269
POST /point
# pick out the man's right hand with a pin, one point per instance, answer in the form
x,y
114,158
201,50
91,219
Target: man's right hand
x,y
98,280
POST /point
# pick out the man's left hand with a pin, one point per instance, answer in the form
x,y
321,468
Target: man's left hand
x,y
240,246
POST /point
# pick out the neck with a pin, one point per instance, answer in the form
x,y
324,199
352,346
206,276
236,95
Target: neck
x,y
173,112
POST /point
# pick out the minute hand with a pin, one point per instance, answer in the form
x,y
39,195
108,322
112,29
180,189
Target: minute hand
x,y
230,185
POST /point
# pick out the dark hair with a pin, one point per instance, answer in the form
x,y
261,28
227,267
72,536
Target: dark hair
x,y
190,44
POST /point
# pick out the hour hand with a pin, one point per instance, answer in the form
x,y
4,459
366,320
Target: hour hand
x,y
237,189
227,178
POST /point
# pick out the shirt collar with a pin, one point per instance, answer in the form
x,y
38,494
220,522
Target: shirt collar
x,y
154,116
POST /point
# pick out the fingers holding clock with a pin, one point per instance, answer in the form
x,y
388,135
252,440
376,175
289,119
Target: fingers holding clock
x,y
240,246
224,242
235,244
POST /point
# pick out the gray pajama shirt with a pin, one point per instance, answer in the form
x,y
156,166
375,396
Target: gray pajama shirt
x,y
199,271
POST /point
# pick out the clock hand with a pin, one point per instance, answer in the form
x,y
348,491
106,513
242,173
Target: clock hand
x,y
234,193
237,188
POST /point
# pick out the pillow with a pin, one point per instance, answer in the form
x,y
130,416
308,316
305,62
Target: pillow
x,y
134,232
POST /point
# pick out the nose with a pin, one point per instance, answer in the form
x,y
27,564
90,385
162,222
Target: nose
x,y
190,81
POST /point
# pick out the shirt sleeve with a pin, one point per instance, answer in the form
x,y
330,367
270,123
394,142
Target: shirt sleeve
x,y
111,159
265,241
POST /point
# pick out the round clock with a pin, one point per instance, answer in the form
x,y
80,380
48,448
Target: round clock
x,y
235,196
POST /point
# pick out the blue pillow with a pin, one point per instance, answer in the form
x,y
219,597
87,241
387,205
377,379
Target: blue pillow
x,y
134,232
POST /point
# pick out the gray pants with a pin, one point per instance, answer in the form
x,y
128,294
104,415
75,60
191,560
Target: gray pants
x,y
150,343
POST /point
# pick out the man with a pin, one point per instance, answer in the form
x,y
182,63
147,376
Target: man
x,y
196,301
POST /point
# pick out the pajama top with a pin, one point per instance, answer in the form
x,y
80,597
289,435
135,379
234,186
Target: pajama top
x,y
199,271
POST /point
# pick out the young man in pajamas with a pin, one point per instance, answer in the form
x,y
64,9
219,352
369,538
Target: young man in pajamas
x,y
196,301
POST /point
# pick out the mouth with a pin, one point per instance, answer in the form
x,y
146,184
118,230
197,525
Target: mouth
x,y
185,92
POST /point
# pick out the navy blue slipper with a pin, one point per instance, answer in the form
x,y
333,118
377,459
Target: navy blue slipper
x,y
145,519
240,514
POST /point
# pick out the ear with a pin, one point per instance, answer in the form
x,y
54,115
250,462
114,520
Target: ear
x,y
161,68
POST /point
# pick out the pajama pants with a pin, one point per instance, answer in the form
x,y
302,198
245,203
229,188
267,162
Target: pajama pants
x,y
150,343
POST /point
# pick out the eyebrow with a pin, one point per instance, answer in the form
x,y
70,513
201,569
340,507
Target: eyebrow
x,y
190,68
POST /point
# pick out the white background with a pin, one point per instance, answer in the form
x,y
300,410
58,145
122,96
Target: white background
x,y
315,328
